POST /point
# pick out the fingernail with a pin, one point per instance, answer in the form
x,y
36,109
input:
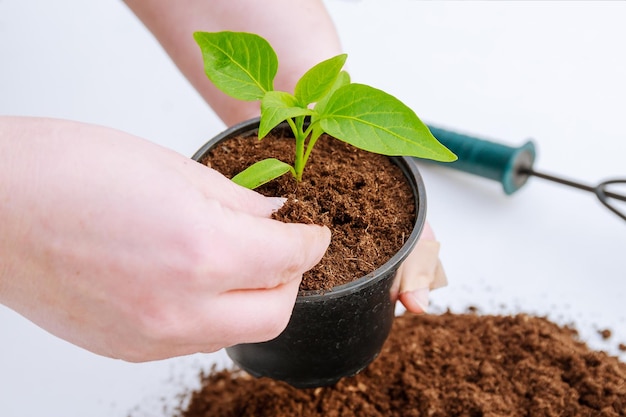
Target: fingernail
x,y
276,202
420,297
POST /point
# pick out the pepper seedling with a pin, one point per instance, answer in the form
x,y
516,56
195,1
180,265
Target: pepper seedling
x,y
243,66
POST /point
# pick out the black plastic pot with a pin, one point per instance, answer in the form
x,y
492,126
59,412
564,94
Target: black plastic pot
x,y
336,333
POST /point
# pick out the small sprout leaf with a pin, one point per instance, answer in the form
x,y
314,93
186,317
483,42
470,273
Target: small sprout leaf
x,y
316,82
375,121
242,65
276,107
261,172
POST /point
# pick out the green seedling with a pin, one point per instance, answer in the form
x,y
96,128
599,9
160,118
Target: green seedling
x,y
243,65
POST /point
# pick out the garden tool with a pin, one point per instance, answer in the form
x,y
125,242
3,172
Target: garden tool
x,y
512,166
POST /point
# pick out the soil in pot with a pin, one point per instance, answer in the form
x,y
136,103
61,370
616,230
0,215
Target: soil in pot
x,y
362,197
444,365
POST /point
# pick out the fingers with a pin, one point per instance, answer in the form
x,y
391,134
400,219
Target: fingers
x,y
243,316
415,301
427,233
260,315
421,272
422,268
418,273
255,253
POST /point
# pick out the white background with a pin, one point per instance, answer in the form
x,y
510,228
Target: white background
x,y
554,72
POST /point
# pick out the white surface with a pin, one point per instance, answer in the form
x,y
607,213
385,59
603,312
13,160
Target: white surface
x,y
512,70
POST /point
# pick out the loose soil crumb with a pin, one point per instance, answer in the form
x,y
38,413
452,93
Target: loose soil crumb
x,y
444,365
362,197
605,333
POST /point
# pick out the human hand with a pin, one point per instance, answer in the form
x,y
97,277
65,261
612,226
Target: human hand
x,y
133,251
420,273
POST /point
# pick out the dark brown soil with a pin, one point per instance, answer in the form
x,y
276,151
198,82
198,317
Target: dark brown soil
x,y
362,197
444,365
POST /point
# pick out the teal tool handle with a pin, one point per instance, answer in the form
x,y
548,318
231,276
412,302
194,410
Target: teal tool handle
x,y
487,159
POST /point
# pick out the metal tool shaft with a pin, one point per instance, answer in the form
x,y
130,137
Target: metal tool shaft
x,y
571,183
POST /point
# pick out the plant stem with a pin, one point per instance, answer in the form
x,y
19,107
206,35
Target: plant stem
x,y
296,127
315,135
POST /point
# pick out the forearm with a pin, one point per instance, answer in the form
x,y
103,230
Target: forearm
x,y
23,150
301,32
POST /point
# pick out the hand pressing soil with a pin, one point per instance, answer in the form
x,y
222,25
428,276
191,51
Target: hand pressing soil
x,y
362,197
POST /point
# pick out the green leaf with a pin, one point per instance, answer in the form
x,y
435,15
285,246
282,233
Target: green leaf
x,y
375,121
316,82
342,79
242,65
261,172
276,107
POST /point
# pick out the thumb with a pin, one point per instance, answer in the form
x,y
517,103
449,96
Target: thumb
x,y
215,186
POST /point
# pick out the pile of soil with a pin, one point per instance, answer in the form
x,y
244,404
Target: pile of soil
x,y
444,365
362,197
